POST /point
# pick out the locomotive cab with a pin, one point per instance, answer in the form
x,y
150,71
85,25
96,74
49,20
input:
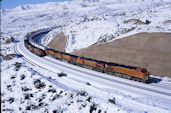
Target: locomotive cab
x,y
146,75
143,70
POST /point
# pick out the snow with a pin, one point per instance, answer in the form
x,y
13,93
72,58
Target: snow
x,y
90,33
28,87
51,36
108,23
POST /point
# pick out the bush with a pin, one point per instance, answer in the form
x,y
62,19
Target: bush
x,y
82,93
61,74
17,66
93,107
112,101
38,84
147,22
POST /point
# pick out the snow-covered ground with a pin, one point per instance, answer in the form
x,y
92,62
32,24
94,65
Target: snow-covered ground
x,y
27,87
87,23
110,27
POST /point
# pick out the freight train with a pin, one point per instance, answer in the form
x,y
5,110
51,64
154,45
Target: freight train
x,y
128,72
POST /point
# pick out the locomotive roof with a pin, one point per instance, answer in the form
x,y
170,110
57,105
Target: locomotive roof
x,y
68,54
62,52
53,50
121,65
93,60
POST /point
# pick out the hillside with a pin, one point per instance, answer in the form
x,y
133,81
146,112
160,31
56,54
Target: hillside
x,y
58,43
149,50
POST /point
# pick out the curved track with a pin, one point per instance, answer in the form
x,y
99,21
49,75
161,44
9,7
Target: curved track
x,y
92,76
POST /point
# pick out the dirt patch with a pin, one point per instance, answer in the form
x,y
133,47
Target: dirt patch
x,y
149,50
9,56
58,43
9,40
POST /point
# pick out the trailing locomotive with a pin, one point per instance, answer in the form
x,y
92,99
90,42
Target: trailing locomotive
x,y
128,72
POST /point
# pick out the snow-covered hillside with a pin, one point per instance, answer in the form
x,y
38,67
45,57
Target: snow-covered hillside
x,y
105,28
89,22
29,88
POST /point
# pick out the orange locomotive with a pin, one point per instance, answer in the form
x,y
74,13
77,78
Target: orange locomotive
x,y
91,64
129,72
69,57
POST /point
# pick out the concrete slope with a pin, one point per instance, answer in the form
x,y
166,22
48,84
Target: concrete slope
x,y
58,43
149,50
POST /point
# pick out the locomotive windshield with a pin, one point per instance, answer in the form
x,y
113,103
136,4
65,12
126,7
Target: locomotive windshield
x,y
143,70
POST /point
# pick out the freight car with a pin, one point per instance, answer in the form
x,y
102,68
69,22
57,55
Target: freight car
x,y
128,72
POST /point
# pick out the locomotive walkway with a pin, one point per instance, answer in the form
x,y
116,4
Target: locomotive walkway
x,y
94,78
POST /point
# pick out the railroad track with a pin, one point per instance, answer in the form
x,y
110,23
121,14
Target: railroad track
x,y
53,81
112,80
74,68
27,60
